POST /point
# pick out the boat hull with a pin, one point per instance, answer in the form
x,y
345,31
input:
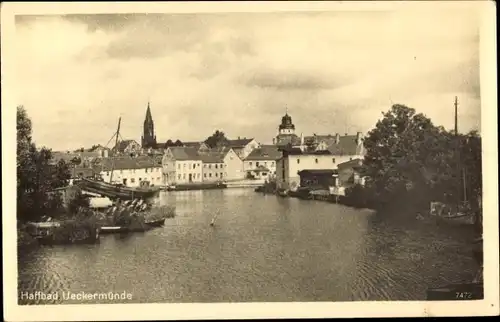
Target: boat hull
x,y
156,223
114,192
197,186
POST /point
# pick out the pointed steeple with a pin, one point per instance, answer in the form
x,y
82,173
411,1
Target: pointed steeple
x,y
149,117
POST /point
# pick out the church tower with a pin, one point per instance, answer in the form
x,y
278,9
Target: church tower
x,y
148,139
286,126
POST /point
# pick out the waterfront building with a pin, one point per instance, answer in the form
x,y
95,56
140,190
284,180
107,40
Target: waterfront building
x,y
225,157
130,148
318,179
351,173
295,160
242,146
148,139
261,162
181,165
131,171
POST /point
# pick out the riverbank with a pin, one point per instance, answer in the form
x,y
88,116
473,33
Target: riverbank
x,y
299,250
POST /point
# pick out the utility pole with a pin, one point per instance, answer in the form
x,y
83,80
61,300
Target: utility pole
x,y
456,115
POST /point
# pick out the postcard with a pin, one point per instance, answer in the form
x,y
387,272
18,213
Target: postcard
x,y
214,160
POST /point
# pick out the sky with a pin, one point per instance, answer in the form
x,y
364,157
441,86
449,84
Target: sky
x,y
335,72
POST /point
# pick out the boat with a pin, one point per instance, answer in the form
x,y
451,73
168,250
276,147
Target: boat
x,y
116,191
113,229
113,191
155,223
198,186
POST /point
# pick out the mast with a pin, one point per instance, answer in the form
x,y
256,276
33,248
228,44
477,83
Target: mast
x,y
116,146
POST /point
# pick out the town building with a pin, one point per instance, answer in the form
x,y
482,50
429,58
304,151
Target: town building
x,y
318,179
295,160
181,165
261,162
130,171
199,146
242,146
80,158
351,173
129,148
102,152
148,139
345,148
223,162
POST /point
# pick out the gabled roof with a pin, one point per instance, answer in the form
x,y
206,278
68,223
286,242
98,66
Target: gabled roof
x,y
346,144
125,163
215,155
350,164
122,145
181,153
265,152
239,143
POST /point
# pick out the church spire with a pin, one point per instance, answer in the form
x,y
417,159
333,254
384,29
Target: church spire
x,y
149,137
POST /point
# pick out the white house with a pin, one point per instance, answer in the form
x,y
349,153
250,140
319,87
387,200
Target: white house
x,y
131,172
261,162
221,164
181,165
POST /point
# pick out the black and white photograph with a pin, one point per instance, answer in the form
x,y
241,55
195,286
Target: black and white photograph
x,y
342,154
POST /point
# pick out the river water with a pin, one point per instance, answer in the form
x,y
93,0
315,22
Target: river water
x,y
262,248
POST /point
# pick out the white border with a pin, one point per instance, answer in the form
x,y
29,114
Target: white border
x,y
488,306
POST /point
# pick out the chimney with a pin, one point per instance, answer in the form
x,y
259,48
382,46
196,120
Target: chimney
x,y
337,138
358,138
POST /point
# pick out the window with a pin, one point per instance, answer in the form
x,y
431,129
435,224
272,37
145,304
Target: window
x,y
316,160
157,178
205,165
184,166
210,175
179,177
298,161
221,174
179,167
333,160
140,179
216,166
146,170
132,180
194,165
210,166
204,175
198,175
264,174
121,171
272,163
250,163
257,163
216,174
107,173
265,163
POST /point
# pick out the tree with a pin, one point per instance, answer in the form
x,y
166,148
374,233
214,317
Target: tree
x,y
410,160
217,139
36,176
178,143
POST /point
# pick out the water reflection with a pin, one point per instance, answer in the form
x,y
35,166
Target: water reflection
x,y
262,248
